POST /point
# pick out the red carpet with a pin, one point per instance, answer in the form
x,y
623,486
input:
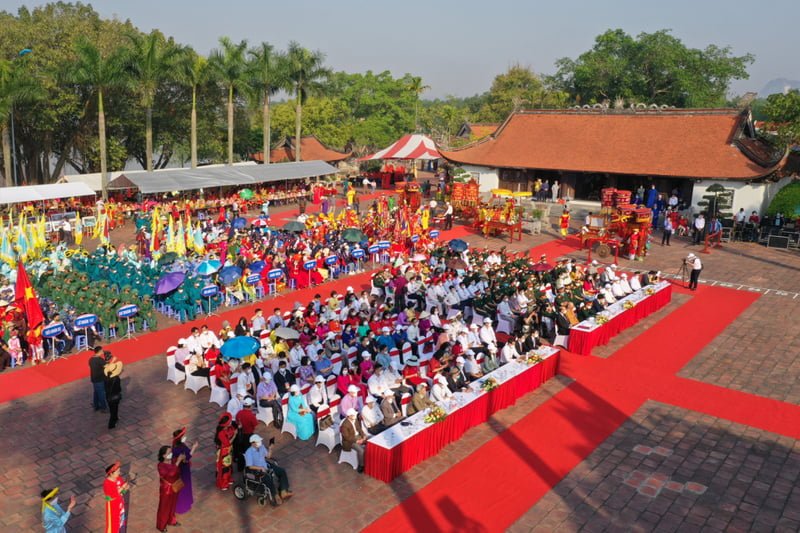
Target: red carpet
x,y
500,481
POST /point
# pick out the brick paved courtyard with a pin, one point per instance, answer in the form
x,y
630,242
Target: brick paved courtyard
x,y
665,469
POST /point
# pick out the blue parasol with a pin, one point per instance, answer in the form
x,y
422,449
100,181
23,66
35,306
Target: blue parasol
x,y
169,282
239,347
239,223
230,274
458,245
258,267
206,268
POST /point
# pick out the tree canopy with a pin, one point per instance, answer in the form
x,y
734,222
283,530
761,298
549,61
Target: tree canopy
x,y
782,111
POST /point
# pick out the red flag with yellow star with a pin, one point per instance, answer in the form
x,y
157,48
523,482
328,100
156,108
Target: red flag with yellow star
x,y
26,299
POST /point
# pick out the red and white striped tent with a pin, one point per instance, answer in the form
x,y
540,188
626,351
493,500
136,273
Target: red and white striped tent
x,y
413,146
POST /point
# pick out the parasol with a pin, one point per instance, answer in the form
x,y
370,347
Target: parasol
x,y
239,223
230,274
257,267
501,192
457,264
522,194
353,235
246,194
287,333
239,347
259,223
458,245
295,227
206,268
419,257
169,282
542,267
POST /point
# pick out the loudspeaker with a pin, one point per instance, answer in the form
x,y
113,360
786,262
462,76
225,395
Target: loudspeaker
x,y
778,241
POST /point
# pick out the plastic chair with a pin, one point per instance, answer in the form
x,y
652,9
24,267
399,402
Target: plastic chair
x,y
173,374
330,437
288,427
562,340
350,458
265,415
404,401
219,395
195,383
81,343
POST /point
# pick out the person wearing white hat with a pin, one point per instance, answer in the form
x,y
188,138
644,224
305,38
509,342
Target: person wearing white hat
x,y
258,459
371,416
440,391
471,367
486,333
695,267
354,438
267,398
456,377
299,414
318,395
351,400
420,400
616,289
490,362
385,338
376,383
608,293
235,404
390,409
624,284
635,281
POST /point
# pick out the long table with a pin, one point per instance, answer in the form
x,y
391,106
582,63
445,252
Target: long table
x,y
491,226
400,447
583,337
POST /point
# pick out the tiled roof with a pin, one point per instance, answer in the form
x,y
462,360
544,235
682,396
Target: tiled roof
x,y
311,149
680,143
480,130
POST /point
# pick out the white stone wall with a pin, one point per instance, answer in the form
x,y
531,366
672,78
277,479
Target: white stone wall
x,y
488,178
752,197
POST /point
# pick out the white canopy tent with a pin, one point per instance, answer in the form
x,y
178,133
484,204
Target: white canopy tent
x,y
40,193
184,179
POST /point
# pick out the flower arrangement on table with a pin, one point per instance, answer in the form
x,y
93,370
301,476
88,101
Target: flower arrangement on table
x,y
627,304
489,384
533,358
601,319
649,291
436,414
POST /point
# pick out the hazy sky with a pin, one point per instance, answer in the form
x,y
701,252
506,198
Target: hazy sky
x,y
459,46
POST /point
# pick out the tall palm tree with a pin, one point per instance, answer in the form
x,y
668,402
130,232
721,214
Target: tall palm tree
x,y
416,88
192,71
150,60
15,87
99,73
306,75
228,64
267,74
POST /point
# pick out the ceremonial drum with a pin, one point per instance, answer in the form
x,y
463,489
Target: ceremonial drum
x,y
607,197
625,209
643,215
622,198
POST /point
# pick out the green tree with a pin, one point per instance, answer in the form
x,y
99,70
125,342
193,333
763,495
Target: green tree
x,y
98,73
416,88
15,87
305,71
267,73
229,66
652,68
326,118
192,71
782,111
150,60
517,88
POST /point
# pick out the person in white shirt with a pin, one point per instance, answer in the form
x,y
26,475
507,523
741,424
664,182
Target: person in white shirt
x,y
699,228
616,290
208,338
235,403
486,334
296,354
377,383
509,352
609,274
313,349
695,267
440,392
372,416
624,285
434,318
193,342
608,294
318,394
635,282
471,367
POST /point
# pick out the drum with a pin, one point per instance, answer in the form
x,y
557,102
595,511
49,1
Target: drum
x,y
622,197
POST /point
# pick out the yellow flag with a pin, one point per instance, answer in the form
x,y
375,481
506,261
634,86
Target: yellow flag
x,y
78,229
171,235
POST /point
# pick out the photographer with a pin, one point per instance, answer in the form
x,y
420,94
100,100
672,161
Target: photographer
x,y
695,267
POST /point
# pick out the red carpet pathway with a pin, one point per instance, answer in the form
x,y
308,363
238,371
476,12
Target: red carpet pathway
x,y
33,379
529,458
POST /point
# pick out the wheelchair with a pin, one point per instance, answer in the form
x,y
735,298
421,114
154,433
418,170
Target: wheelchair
x,y
254,484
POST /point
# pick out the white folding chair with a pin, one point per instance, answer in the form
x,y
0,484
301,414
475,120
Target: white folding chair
x,y
288,427
219,395
504,325
337,364
405,353
394,355
562,340
328,437
173,374
350,458
195,383
330,385
264,414
404,401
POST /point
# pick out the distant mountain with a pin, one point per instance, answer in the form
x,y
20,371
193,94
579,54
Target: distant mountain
x,y
778,85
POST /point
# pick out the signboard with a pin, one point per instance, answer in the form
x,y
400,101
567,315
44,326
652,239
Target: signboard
x,y
275,273
374,249
252,279
209,291
777,241
85,321
331,260
53,331
435,234
310,265
89,222
358,253
384,245
127,311
414,238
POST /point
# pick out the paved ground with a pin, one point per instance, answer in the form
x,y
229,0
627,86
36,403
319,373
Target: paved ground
x,y
666,468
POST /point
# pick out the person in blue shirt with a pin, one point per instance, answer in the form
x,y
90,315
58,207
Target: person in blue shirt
x,y
383,358
386,338
54,518
259,459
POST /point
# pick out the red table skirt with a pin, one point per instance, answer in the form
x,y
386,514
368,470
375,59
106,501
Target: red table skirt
x,y
582,342
387,464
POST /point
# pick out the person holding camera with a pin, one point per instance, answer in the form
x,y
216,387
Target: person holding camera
x,y
695,267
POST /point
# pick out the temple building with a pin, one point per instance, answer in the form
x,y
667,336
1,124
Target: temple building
x,y
311,149
681,150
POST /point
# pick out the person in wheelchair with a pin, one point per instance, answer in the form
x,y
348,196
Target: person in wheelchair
x,y
260,467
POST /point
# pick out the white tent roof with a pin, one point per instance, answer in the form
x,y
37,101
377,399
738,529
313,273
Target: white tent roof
x,y
39,193
183,179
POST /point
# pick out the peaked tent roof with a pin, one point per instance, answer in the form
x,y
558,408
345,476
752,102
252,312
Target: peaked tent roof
x,y
697,143
39,193
413,146
311,149
183,179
